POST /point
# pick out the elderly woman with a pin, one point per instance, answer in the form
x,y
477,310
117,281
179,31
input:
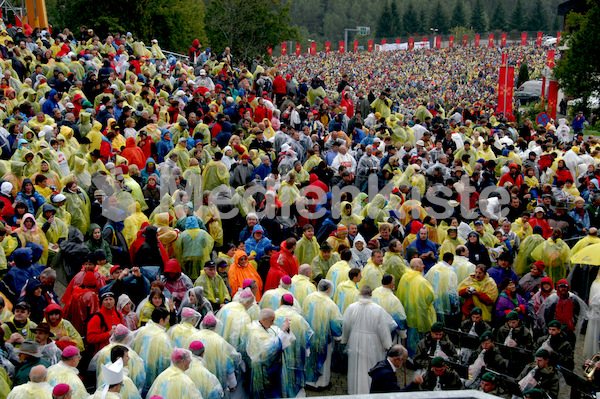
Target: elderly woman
x,y
508,301
478,290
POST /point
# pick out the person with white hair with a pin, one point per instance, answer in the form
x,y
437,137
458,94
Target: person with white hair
x,y
344,158
174,383
272,298
264,347
367,331
325,318
36,387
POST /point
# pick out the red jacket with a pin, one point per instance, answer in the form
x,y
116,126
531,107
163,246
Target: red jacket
x,y
290,262
515,181
134,154
98,332
262,112
279,85
543,223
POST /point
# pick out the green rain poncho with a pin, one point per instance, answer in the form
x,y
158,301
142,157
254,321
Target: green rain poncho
x,y
306,250
320,266
194,246
348,215
525,258
56,230
215,289
294,356
555,255
371,275
215,173
79,206
393,264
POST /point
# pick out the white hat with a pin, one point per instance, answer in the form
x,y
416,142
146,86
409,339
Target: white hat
x,y
416,167
109,165
59,198
376,140
538,209
42,134
190,82
6,188
154,41
47,129
285,147
227,148
113,374
114,87
202,72
179,93
69,105
421,143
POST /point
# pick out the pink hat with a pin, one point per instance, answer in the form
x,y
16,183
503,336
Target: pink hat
x,y
246,293
289,298
121,330
209,319
247,283
70,351
177,355
61,389
156,397
286,280
196,345
187,312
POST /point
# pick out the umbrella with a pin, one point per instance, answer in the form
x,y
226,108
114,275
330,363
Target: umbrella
x,y
589,255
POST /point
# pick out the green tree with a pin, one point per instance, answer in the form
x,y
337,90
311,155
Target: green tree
x,y
478,17
439,17
459,17
384,24
517,20
537,17
396,21
499,19
422,22
523,74
578,70
248,27
409,20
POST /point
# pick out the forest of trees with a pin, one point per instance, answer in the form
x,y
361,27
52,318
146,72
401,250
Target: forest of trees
x,y
326,19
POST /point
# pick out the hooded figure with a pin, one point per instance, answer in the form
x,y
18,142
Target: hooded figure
x,y
30,233
194,247
360,253
151,252
133,153
30,197
195,300
240,270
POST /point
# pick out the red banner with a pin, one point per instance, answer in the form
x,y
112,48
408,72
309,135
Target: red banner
x,y
552,98
284,48
398,41
342,47
550,61
558,38
465,40
539,39
491,40
505,89
327,47
503,40
370,46
504,59
411,43
298,49
383,41
438,42
356,46
523,38
476,40
425,39
451,41
19,21
313,48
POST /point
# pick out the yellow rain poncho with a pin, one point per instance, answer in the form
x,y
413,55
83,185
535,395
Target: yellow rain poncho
x,y
219,356
348,215
194,247
393,264
321,266
215,173
133,223
408,208
79,206
136,367
346,293
215,289
235,321
371,275
154,346
386,298
442,278
60,373
555,254
180,333
212,219
128,390
272,298
417,296
306,250
462,267
29,390
294,356
449,246
374,209
288,193
584,242
35,234
486,286
206,382
174,383
525,258
57,230
301,288
338,273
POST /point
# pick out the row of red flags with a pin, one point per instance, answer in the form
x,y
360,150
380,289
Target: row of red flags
x,y
411,42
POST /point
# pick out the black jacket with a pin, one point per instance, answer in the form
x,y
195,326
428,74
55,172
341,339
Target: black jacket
x,y
383,379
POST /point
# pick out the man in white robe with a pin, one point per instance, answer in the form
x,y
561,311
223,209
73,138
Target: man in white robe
x,y
367,331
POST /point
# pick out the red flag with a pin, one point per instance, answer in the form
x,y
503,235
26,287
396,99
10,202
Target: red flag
x,y
491,40
356,46
539,39
503,40
523,38
451,41
342,47
298,49
438,42
370,46
313,48
552,98
558,38
383,41
284,48
476,40
550,61
19,21
465,40
425,39
411,43
504,59
270,50
398,41
505,89
327,47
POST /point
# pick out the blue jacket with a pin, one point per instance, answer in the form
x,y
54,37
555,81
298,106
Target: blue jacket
x,y
50,103
258,247
498,274
17,277
32,207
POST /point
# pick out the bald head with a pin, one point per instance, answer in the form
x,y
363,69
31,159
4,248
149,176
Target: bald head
x,y
266,314
593,231
417,264
38,374
305,270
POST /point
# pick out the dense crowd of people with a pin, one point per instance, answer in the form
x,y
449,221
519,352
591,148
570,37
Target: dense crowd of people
x,y
231,230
